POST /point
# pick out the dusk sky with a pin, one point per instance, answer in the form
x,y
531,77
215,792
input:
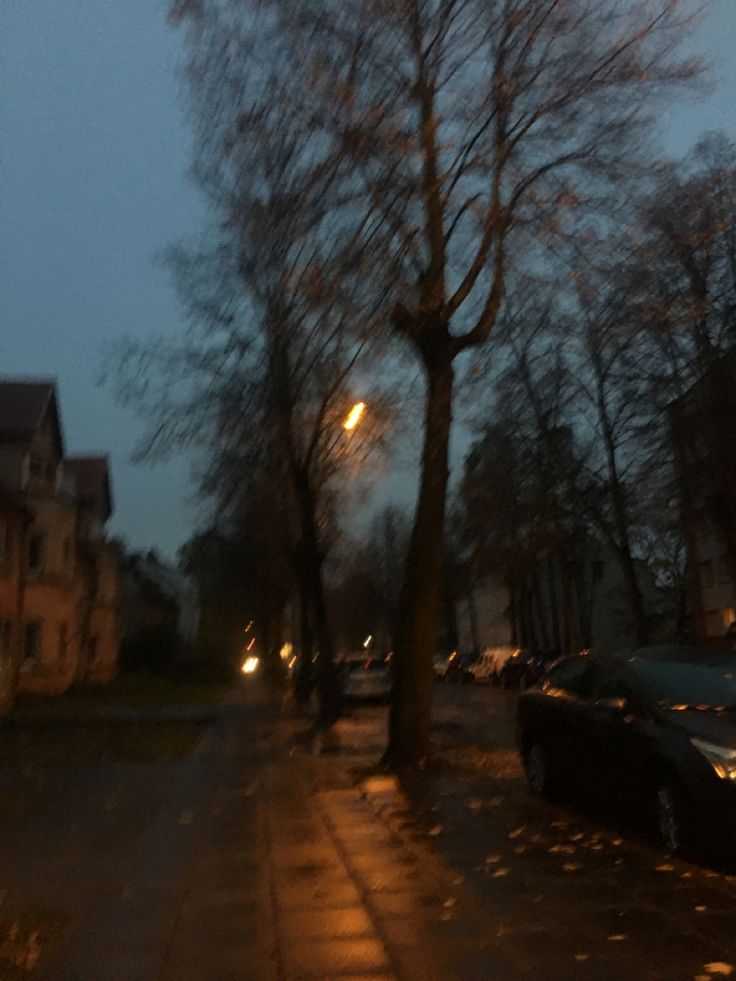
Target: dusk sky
x,y
93,186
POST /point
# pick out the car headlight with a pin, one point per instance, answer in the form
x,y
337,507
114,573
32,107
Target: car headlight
x,y
721,758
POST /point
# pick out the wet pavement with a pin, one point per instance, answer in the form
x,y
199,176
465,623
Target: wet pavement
x,y
266,856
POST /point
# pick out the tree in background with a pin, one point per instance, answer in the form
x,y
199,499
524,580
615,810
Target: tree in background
x,y
649,319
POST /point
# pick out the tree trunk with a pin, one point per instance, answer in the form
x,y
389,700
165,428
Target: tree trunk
x,y
538,611
513,612
638,613
304,678
554,609
473,620
410,719
621,518
528,630
311,557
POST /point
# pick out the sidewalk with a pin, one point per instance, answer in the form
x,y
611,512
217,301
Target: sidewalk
x,y
297,875
276,860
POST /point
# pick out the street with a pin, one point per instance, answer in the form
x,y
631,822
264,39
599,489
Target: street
x,y
266,855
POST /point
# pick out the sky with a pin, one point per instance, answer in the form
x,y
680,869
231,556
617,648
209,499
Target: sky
x,y
94,154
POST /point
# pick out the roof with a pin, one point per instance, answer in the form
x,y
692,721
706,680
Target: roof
x,y
23,405
92,474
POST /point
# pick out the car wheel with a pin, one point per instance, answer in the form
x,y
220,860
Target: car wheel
x,y
671,815
537,770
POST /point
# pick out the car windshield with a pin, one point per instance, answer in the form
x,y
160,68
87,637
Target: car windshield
x,y
699,680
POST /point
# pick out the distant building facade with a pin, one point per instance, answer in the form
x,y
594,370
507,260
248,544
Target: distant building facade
x,y
573,598
159,613
58,574
703,425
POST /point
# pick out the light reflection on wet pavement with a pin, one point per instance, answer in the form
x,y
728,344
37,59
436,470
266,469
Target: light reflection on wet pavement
x,y
301,859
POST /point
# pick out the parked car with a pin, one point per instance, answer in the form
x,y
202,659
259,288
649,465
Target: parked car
x,y
525,667
655,727
366,677
487,669
440,665
459,667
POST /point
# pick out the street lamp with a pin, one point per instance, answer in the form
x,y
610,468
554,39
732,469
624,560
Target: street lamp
x,y
354,417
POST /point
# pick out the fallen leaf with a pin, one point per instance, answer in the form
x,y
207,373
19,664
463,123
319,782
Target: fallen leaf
x,y
492,859
665,868
500,873
436,830
520,849
571,867
700,909
517,831
581,957
474,805
449,902
577,837
719,967
617,936
617,841
562,849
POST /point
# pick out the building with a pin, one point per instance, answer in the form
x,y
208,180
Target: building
x,y
58,574
573,598
704,440
159,613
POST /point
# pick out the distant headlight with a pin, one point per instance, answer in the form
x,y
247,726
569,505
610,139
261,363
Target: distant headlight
x,y
721,758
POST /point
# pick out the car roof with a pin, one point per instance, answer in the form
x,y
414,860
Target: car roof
x,y
679,654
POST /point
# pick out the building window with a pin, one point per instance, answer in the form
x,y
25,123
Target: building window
x,y
5,638
36,553
33,637
63,641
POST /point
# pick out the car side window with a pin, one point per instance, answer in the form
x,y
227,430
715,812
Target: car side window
x,y
574,677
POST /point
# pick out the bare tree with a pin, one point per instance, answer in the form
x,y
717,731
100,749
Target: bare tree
x,y
451,132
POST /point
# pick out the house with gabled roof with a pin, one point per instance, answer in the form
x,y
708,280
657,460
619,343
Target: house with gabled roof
x,y
58,574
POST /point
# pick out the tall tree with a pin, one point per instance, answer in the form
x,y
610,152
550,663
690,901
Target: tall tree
x,y
448,129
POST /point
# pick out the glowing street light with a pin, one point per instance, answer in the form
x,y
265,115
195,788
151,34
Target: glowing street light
x,y
354,417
